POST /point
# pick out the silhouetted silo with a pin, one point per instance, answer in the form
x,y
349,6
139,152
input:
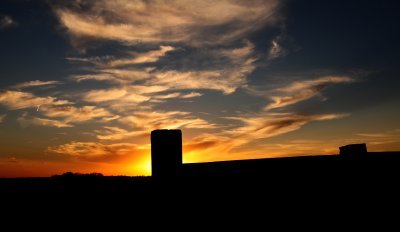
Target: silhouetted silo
x,y
166,153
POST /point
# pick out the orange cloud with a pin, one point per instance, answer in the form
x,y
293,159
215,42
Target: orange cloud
x,y
104,95
35,84
93,149
137,58
195,22
73,114
21,100
24,121
150,56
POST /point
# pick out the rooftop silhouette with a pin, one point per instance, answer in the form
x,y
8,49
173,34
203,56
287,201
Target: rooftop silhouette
x,y
353,158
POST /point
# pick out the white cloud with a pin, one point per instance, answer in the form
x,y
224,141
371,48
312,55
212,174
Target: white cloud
x,y
303,90
21,100
35,84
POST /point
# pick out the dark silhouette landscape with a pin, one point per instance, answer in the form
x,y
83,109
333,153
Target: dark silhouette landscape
x,y
354,167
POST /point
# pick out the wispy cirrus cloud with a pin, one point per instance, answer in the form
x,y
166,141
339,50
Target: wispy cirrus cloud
x,y
266,125
178,95
303,90
104,95
117,98
72,114
226,76
147,57
150,120
116,133
134,58
254,127
226,81
94,149
22,100
374,135
166,21
25,120
36,83
119,76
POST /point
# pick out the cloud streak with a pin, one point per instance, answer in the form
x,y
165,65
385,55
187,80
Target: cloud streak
x,y
94,149
167,21
71,114
108,62
22,100
24,120
303,90
270,125
35,83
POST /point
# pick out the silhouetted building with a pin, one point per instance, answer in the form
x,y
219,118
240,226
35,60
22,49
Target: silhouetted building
x,y
353,149
166,153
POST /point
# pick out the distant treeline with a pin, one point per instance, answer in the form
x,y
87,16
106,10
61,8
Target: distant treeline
x,y
77,174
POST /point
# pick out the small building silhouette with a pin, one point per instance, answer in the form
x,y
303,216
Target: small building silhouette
x,y
352,150
166,153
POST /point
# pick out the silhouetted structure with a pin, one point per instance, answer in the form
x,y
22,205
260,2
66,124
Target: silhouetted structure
x,y
354,158
353,149
166,153
244,179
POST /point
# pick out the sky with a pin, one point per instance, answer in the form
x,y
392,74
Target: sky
x,y
83,83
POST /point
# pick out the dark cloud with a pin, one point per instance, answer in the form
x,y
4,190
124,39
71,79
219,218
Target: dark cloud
x,y
7,21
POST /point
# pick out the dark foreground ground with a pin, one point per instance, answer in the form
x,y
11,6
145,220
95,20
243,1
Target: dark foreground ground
x,y
329,191
268,177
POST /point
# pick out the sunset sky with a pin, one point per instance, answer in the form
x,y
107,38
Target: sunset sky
x,y
83,83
